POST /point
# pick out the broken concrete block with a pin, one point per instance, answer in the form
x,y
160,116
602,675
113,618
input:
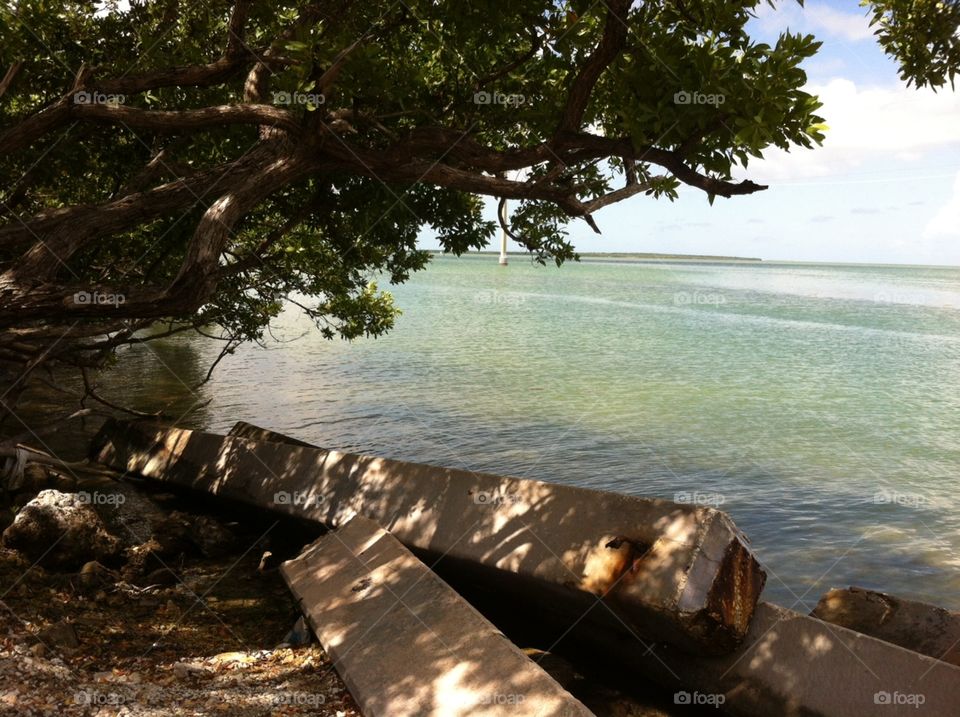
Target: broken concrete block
x,y
917,626
678,573
404,642
793,665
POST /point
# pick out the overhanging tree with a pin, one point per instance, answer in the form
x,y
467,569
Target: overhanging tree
x,y
200,163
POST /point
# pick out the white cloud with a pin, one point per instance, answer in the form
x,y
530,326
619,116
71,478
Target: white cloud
x,y
845,25
814,17
946,222
890,124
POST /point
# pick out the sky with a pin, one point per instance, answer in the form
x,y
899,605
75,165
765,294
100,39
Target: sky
x,y
883,188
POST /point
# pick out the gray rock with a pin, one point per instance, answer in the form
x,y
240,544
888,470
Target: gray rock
x,y
212,538
60,634
126,510
184,533
61,531
93,575
141,559
186,670
160,576
300,634
34,477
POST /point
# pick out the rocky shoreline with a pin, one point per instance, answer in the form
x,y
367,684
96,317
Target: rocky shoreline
x,y
120,598
123,596
122,603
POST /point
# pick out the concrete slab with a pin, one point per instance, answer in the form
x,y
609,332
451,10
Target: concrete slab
x,y
917,626
242,429
677,573
793,665
404,642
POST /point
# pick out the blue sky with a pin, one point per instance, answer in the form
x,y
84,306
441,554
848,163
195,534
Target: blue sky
x,y
884,187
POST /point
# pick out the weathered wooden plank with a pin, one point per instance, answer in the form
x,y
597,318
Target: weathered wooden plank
x,y
676,573
404,642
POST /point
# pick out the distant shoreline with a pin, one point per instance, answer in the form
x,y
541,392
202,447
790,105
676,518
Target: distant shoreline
x,y
624,256
644,256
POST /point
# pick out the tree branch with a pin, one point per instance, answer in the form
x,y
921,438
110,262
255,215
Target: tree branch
x,y
237,29
617,196
35,126
212,73
60,233
197,277
88,390
536,44
10,76
176,121
611,44
462,157
266,169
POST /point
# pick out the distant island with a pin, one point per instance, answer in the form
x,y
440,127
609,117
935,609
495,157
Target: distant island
x,y
627,256
645,256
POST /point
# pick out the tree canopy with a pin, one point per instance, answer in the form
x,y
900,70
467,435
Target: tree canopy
x,y
202,163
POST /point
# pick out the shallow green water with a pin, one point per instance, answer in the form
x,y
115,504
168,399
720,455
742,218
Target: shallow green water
x,y
817,404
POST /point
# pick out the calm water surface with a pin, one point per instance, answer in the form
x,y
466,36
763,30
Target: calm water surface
x,y
817,404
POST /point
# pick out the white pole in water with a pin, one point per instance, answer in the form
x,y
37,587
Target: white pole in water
x,y
503,234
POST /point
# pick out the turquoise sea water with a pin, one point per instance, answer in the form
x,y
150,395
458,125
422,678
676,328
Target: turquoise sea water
x,y
817,404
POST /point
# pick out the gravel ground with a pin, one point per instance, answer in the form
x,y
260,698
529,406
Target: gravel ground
x,y
205,646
